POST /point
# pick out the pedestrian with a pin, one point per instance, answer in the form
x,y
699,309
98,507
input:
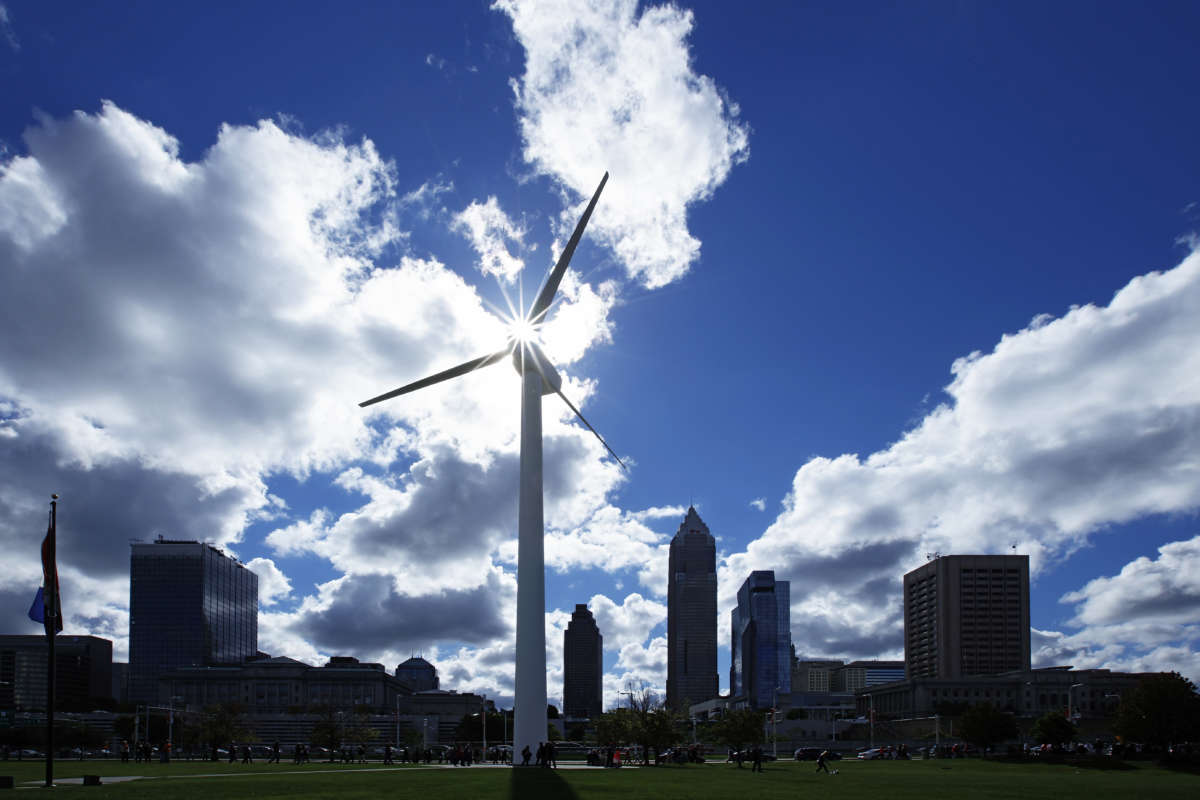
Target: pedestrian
x,y
124,751
247,756
232,753
525,754
821,765
757,766
551,755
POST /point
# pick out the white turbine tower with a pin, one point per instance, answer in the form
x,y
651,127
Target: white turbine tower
x,y
538,377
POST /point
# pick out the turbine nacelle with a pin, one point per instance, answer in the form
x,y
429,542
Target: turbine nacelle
x,y
528,357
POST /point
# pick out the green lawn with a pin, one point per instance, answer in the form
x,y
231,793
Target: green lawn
x,y
873,780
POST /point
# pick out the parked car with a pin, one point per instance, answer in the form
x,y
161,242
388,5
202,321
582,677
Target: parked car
x,y
872,754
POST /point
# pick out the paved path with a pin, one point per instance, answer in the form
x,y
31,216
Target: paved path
x,y
124,778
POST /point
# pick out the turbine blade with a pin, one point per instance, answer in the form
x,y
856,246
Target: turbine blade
x,y
445,375
546,296
590,428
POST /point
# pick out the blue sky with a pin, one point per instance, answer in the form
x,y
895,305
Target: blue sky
x,y
868,281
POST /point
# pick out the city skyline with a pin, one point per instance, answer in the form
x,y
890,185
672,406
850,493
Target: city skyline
x,y
886,283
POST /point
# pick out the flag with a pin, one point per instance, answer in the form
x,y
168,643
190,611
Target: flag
x,y
48,610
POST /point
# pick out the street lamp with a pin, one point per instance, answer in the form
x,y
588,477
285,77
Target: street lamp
x,y
1070,697
397,720
171,726
775,723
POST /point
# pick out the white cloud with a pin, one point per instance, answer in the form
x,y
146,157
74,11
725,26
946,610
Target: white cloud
x,y
273,585
6,28
226,315
607,87
491,232
759,503
1065,427
1146,617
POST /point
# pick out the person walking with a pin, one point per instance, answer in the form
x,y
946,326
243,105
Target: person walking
x,y
757,766
525,754
821,764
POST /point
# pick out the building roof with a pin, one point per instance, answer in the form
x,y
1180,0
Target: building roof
x,y
416,662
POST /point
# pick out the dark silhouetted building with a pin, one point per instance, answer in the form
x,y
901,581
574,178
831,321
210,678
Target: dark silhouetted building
x,y
190,605
418,675
583,666
967,615
760,652
82,673
692,615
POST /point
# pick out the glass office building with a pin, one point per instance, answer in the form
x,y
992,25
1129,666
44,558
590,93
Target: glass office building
x,y
583,666
761,650
189,605
692,615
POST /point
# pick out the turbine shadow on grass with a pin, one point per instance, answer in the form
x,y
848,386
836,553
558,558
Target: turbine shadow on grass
x,y
535,783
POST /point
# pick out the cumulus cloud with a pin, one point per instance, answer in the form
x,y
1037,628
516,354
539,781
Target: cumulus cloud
x,y
759,503
491,233
273,585
168,353
609,87
1144,618
1065,427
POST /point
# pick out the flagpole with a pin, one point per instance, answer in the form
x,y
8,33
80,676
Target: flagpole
x,y
51,620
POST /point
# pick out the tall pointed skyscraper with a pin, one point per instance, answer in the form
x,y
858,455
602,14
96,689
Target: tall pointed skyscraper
x,y
692,615
583,666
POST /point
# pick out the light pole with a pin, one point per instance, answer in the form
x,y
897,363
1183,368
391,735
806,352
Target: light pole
x,y
775,723
483,721
871,701
397,720
1070,697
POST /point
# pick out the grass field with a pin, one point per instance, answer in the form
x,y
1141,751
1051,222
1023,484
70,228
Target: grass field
x,y
869,780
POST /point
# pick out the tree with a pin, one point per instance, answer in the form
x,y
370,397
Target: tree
x,y
614,727
224,723
576,732
986,726
1162,710
1053,729
740,728
551,712
653,725
328,731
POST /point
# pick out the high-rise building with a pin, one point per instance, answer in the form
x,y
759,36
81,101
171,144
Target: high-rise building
x,y
760,652
967,615
692,615
583,666
82,672
418,675
190,605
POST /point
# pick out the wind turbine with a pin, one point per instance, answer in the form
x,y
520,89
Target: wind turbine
x,y
538,377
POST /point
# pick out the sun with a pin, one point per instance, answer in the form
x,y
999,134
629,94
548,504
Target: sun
x,y
521,330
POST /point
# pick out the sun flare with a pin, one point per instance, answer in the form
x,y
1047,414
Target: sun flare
x,y
522,330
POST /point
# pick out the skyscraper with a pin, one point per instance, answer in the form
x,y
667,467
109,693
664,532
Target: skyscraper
x,y
583,666
967,615
189,605
760,666
692,615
